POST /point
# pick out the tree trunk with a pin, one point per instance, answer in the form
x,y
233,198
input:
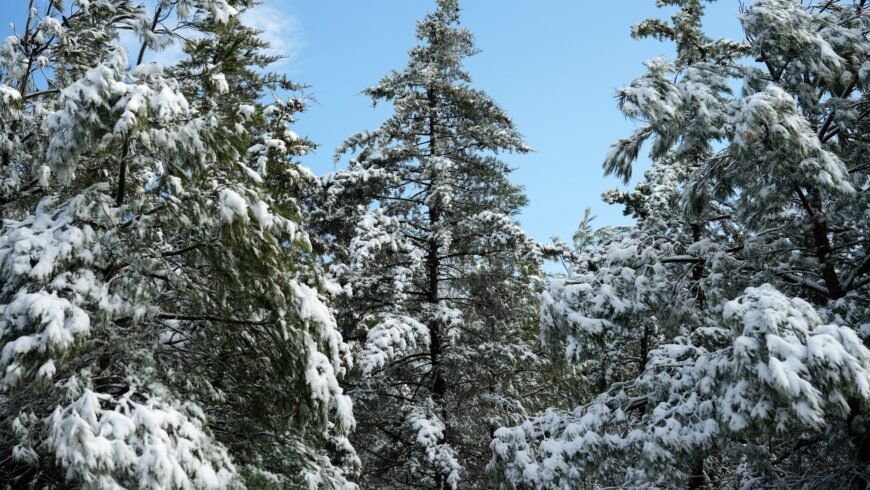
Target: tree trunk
x,y
439,386
860,435
696,479
812,204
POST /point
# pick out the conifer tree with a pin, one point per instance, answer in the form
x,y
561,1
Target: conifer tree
x,y
723,339
438,283
161,317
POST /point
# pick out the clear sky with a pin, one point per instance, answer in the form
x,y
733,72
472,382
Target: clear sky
x,y
554,65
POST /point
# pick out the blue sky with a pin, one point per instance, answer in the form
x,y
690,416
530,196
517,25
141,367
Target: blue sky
x,y
553,65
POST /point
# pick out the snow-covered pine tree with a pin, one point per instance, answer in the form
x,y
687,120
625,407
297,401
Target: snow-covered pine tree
x,y
438,281
160,308
724,337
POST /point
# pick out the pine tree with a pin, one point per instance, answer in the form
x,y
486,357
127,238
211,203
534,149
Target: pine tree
x,y
160,307
438,283
723,338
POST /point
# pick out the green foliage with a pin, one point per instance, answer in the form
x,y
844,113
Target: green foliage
x,y
438,283
722,340
161,309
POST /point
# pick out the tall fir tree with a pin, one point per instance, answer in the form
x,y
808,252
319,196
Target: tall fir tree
x,y
722,341
160,308
437,282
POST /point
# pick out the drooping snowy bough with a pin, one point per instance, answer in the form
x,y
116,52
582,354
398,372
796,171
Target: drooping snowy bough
x,y
722,341
161,318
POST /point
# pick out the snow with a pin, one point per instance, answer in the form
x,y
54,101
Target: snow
x,y
102,386
783,368
730,320
61,324
220,83
232,206
8,94
429,434
246,111
221,11
392,338
261,213
152,443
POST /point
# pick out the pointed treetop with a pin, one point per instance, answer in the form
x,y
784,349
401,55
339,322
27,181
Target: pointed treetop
x,y
446,43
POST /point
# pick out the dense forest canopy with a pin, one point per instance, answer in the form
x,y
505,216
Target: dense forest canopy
x,y
184,304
